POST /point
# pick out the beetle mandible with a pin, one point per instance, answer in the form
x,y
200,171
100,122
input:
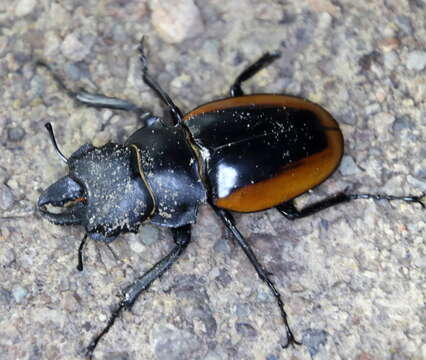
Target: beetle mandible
x,y
244,153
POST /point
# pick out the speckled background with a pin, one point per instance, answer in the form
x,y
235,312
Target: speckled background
x,y
353,277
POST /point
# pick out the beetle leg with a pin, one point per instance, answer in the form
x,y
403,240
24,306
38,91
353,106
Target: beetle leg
x,y
175,112
182,237
252,70
291,212
229,221
96,100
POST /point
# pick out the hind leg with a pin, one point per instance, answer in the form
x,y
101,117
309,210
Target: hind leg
x,y
288,209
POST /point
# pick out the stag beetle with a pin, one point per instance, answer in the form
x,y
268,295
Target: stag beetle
x,y
244,153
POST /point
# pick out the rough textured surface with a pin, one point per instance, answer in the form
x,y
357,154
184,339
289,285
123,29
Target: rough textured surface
x,y
352,277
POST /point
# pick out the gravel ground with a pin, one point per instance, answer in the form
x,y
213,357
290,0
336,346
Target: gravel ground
x,y
353,277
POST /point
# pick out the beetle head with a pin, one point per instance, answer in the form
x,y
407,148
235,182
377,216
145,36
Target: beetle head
x,y
103,192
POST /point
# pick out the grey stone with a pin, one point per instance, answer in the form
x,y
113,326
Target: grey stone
x,y
19,293
117,356
149,234
348,166
16,133
402,123
391,59
214,355
171,343
5,297
24,7
176,21
404,23
314,339
74,48
223,278
372,109
416,60
6,197
74,72
222,246
271,357
246,330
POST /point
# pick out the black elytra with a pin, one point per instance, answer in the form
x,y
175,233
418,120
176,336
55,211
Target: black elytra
x,y
243,153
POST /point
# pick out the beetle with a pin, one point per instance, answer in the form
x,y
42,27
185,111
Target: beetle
x,y
243,153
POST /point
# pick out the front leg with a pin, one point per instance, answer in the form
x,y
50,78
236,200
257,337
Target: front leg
x,y
175,112
182,237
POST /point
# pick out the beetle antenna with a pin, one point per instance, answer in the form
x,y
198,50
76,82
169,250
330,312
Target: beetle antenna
x,y
80,253
49,128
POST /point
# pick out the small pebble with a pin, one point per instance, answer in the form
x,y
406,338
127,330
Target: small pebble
x,y
150,234
404,23
246,330
6,197
223,246
176,21
314,339
24,7
16,133
19,293
348,166
171,343
5,296
74,49
136,246
416,60
401,123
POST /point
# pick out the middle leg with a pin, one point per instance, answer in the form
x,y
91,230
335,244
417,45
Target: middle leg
x,y
229,221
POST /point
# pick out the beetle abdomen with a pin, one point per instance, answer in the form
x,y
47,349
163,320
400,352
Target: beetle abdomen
x,y
262,150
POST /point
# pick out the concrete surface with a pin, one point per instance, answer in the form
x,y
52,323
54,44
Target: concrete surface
x,y
353,277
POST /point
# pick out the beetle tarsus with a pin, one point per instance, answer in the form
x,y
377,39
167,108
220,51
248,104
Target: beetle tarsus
x,y
80,253
407,198
92,346
291,340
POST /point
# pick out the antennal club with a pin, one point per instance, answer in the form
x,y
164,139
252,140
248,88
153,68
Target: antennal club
x,y
49,128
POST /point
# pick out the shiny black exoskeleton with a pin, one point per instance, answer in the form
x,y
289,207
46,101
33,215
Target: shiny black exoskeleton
x,y
242,153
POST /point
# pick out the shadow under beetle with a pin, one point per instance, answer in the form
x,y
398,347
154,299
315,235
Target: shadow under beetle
x,y
244,153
